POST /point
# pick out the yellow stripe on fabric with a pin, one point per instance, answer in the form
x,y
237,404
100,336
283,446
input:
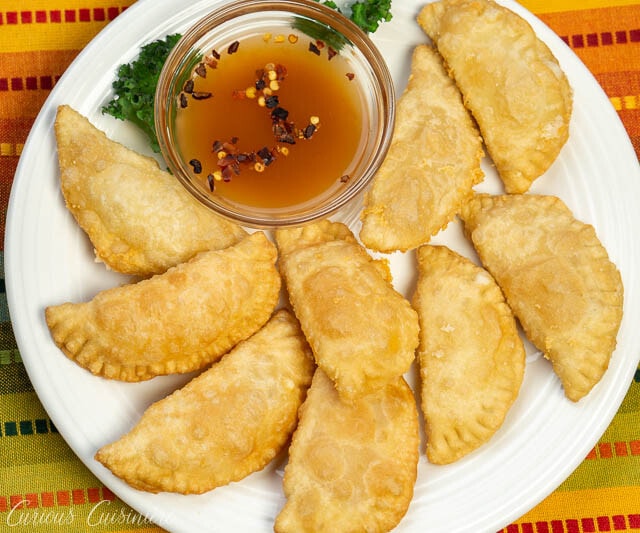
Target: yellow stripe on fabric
x,y
585,506
544,6
68,25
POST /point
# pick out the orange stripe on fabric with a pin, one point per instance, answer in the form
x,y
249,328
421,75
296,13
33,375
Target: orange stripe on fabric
x,y
26,80
606,39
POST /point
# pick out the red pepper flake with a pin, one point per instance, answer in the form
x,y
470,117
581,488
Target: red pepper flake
x,y
215,54
350,76
309,131
233,47
188,86
279,113
183,100
201,70
314,49
197,166
200,95
320,44
331,53
211,62
230,161
281,71
345,178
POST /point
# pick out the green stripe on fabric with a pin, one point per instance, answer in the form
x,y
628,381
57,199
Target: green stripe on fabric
x,y
13,375
63,496
615,460
7,338
631,402
27,434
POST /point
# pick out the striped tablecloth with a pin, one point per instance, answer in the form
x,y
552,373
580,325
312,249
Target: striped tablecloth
x,y
44,487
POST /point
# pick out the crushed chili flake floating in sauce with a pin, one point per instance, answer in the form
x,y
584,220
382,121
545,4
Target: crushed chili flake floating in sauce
x,y
267,144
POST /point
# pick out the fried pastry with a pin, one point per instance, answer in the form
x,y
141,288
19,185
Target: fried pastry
x,y
432,164
362,332
139,219
511,83
471,357
174,322
352,467
557,278
228,422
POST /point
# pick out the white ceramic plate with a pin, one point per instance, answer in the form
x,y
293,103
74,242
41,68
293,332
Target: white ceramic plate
x,y
545,436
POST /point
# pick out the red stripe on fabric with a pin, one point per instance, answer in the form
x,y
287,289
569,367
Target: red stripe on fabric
x,y
16,501
50,499
557,526
634,521
77,496
573,526
32,501
542,527
619,522
107,494
621,449
592,454
588,525
634,445
39,16
29,83
605,450
527,528
62,496
93,495
47,499
513,528
605,38
604,524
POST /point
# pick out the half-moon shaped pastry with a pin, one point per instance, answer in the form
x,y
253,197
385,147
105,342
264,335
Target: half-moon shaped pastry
x,y
140,220
557,278
174,322
226,423
352,467
362,332
510,81
432,164
471,357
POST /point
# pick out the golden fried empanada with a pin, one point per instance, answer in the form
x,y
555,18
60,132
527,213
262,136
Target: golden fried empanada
x,y
510,80
471,357
174,322
226,423
362,332
140,220
432,163
352,467
557,278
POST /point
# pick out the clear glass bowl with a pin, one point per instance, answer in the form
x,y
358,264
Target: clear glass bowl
x,y
238,20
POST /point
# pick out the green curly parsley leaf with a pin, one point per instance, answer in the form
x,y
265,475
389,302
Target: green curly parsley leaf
x,y
135,86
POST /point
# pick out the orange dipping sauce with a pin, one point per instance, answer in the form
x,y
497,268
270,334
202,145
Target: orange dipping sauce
x,y
232,131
